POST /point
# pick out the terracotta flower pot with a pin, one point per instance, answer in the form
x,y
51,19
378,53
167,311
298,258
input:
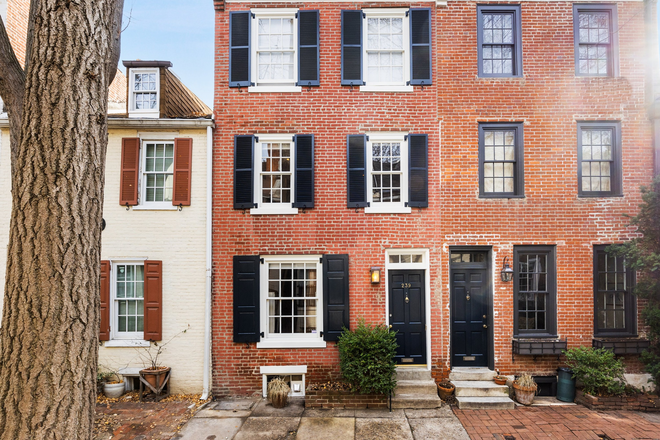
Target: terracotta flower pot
x,y
155,376
500,380
445,390
524,395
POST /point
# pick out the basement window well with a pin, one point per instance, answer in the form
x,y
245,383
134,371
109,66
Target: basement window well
x,y
294,375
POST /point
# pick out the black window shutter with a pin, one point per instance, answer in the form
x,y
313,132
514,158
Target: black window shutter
x,y
243,163
351,48
418,175
357,173
246,298
239,49
335,296
420,47
304,173
308,48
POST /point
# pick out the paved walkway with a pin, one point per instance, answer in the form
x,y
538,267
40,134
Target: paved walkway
x,y
245,419
573,422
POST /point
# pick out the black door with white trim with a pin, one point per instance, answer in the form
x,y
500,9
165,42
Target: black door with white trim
x,y
469,304
407,315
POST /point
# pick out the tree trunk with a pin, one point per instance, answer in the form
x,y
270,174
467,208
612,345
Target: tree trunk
x,y
50,320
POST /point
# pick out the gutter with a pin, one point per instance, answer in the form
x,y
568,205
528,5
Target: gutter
x,y
209,269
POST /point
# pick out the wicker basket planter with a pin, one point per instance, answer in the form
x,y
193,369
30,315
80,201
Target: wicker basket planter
x,y
524,395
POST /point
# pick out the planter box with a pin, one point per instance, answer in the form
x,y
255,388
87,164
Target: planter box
x,y
344,399
639,402
537,347
622,345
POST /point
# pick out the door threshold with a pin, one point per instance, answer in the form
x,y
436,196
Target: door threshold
x,y
424,366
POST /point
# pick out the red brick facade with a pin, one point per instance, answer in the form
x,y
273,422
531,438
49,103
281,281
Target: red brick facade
x,y
548,99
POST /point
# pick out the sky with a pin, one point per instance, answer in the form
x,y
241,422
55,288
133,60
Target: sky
x,y
180,31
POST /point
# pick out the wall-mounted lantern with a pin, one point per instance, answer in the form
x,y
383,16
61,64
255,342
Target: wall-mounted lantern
x,y
507,272
375,275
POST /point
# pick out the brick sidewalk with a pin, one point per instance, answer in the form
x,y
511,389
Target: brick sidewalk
x,y
140,421
574,422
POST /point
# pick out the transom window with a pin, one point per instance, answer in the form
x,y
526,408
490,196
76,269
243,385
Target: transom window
x,y
468,257
385,51
276,172
614,302
129,300
292,298
158,173
501,161
535,290
275,50
499,42
594,39
388,163
598,157
406,258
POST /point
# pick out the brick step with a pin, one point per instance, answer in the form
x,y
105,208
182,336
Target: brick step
x,y
413,374
422,387
415,401
479,388
472,402
471,373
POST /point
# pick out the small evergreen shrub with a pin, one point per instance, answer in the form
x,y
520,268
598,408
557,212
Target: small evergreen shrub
x,y
598,369
366,357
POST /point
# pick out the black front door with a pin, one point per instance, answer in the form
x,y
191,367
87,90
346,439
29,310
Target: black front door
x,y
469,304
407,315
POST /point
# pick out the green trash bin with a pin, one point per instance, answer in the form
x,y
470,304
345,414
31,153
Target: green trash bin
x,y
565,385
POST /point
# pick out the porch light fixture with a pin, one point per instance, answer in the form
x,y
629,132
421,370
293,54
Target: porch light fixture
x,y
375,275
507,272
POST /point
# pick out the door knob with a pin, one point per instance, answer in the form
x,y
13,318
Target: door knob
x,y
390,325
485,326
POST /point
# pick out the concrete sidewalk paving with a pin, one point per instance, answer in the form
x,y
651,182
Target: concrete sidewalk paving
x,y
255,419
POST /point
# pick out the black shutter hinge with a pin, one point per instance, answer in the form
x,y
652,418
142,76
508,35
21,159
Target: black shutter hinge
x,y
261,334
364,14
405,137
321,260
252,15
295,15
261,260
256,138
406,204
408,13
321,334
367,138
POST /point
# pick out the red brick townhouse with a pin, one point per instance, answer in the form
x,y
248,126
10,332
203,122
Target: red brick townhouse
x,y
388,161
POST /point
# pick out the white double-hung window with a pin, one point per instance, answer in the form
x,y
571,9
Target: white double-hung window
x,y
274,50
157,173
128,301
274,174
386,47
387,165
291,302
144,96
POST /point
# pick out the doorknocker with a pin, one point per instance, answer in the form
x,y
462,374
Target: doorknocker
x,y
467,297
407,299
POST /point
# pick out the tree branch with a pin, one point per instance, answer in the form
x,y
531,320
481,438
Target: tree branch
x,y
34,4
116,43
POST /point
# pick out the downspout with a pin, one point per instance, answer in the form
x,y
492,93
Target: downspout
x,y
207,305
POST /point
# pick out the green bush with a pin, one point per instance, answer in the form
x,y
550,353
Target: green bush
x,y
366,357
599,371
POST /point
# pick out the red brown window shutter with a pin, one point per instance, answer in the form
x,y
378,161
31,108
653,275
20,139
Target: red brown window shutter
x,y
104,330
182,167
130,171
153,300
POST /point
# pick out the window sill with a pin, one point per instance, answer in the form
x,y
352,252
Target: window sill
x,y
127,343
154,208
395,89
292,343
274,89
273,211
592,196
388,210
149,115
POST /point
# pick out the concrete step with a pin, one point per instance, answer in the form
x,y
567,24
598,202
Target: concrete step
x,y
415,401
422,387
470,373
480,388
484,403
413,374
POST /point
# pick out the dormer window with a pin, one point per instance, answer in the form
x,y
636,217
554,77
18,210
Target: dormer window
x,y
144,96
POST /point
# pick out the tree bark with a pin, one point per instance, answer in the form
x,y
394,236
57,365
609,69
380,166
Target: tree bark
x,y
50,319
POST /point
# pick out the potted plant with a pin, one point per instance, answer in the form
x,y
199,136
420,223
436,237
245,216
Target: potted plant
x,y
154,373
500,379
445,389
111,388
278,392
525,388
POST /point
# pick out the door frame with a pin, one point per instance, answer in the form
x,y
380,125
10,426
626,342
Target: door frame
x,y
490,336
425,266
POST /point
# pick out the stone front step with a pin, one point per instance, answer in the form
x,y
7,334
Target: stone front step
x,y
413,374
484,403
471,373
415,401
422,387
480,388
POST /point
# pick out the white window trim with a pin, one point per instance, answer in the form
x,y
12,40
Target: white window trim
x,y
388,207
146,113
277,208
311,340
132,339
143,205
385,13
254,40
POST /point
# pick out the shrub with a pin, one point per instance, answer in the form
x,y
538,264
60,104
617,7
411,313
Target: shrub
x,y
366,357
598,370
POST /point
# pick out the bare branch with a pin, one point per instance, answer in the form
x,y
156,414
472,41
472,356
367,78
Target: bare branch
x,y
116,43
